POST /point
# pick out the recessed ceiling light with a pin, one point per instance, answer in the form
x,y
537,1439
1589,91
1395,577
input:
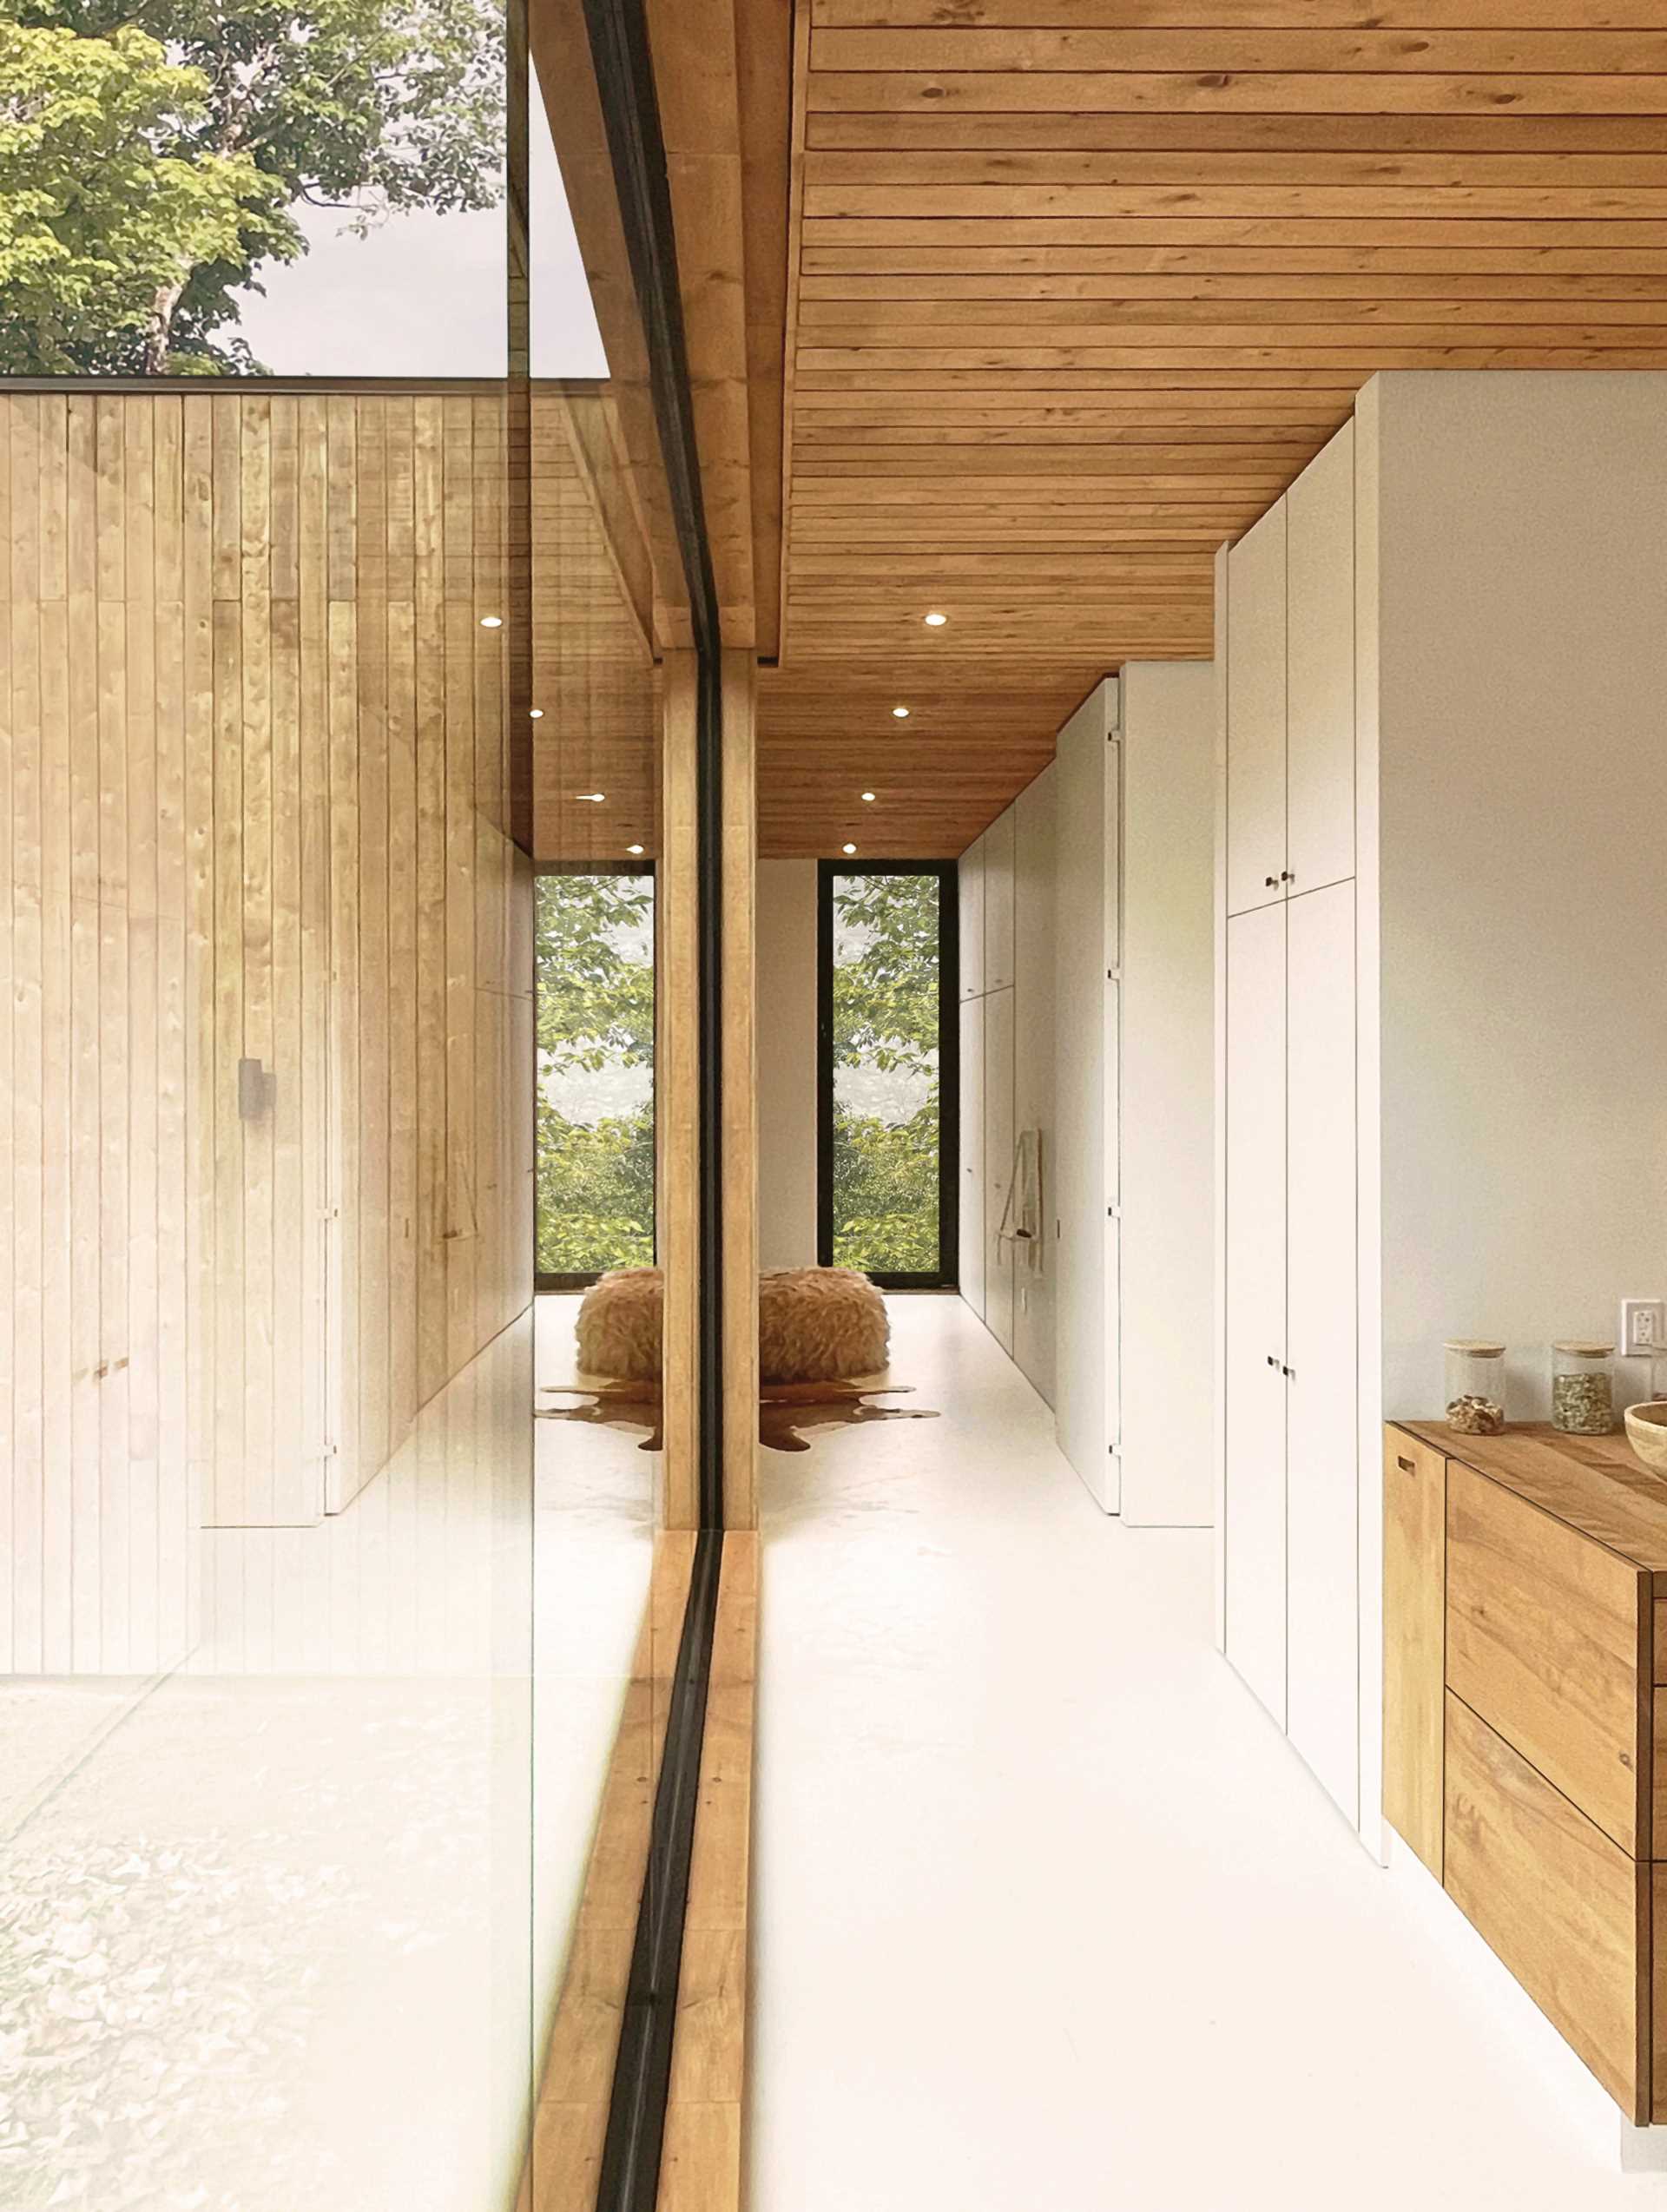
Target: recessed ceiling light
x,y
633,848
902,713
934,621
847,848
536,714
595,798
491,622
868,797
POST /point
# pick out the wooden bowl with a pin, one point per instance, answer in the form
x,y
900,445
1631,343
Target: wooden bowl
x,y
1646,1432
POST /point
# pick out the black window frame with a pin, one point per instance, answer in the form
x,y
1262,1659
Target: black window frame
x,y
545,1281
947,1273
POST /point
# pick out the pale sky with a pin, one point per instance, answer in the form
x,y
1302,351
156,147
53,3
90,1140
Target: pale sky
x,y
423,295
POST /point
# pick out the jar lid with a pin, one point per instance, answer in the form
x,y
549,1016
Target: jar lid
x,y
1480,1347
1584,1350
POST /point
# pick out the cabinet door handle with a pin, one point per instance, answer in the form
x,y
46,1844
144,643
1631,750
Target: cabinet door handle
x,y
1270,881
1286,876
1407,1466
1289,1373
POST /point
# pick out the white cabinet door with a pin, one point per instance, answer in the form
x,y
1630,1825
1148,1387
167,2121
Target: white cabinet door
x,y
971,1207
1254,1534
970,877
1320,722
1322,1453
1256,715
996,845
998,1162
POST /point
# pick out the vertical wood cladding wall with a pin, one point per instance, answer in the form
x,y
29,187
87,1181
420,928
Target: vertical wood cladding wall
x,y
265,1032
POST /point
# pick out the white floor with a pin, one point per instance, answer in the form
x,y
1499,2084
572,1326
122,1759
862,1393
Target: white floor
x,y
272,1938
1049,1916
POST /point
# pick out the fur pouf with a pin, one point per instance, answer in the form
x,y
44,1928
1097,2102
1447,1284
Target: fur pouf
x,y
820,1325
814,1325
618,1327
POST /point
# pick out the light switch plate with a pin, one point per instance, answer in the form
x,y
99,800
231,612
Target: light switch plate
x,y
1643,1328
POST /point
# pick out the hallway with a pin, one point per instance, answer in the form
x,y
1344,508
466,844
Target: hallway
x,y
1048,1915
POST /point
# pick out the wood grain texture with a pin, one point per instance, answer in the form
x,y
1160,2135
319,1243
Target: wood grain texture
x,y
701,2171
1591,1482
677,1091
1097,282
1543,1641
738,1048
1565,1907
1415,1641
233,686
570,2116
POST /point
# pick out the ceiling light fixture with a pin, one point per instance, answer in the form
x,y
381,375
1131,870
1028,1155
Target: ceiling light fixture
x,y
934,621
536,714
633,848
867,798
901,713
491,622
847,848
595,797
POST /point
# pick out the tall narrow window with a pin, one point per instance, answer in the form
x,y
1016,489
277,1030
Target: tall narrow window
x,y
888,1103
595,1074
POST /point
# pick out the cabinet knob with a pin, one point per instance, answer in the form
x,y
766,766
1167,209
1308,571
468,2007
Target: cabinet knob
x,y
1286,876
1270,881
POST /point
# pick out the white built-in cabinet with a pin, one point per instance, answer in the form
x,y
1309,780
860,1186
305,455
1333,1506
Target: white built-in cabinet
x,y
970,1200
970,894
998,1139
1007,1045
995,867
1290,1603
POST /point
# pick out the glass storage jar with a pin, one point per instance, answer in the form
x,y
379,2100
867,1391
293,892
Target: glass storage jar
x,y
1583,1387
1475,1386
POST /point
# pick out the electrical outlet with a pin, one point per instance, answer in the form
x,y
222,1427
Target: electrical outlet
x,y
1643,1328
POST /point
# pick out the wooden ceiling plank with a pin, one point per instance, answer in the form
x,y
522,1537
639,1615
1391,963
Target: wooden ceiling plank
x,y
1263,50
1265,14
1499,132
1315,92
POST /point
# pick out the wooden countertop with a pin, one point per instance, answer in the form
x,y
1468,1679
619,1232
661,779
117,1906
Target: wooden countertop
x,y
1594,1483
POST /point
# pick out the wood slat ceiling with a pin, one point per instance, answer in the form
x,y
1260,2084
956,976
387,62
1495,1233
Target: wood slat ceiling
x,y
1077,287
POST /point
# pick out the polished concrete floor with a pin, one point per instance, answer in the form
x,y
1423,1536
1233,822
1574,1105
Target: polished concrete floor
x,y
272,1935
1049,1917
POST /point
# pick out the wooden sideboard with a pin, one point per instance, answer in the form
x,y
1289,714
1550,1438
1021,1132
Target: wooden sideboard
x,y
1525,1735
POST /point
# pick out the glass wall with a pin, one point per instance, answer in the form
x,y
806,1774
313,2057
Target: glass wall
x,y
595,1074
316,1644
887,961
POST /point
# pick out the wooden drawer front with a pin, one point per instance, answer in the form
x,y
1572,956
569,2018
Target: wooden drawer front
x,y
1415,1636
1562,1905
1544,1635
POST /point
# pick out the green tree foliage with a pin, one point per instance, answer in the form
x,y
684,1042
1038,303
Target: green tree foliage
x,y
885,1016
595,1011
153,153
98,217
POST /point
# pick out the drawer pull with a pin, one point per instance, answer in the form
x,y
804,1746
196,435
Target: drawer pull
x,y
1407,1466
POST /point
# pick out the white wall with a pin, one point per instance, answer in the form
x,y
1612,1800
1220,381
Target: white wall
x,y
787,1064
1521,564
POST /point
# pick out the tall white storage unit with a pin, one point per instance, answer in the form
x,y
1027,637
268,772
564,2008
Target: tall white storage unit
x,y
1134,1091
1290,1530
1089,781
1033,1031
1007,1042
1442,659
